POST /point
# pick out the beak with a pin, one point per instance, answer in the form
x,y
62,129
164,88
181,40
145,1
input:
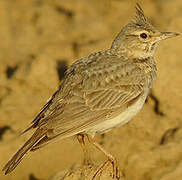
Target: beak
x,y
166,35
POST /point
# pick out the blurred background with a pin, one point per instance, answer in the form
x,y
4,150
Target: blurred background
x,y
39,39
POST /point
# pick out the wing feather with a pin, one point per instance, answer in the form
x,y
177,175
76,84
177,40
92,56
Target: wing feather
x,y
98,94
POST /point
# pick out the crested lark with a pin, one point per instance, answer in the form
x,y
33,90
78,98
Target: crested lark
x,y
99,92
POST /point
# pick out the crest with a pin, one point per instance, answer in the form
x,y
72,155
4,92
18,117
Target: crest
x,y
140,19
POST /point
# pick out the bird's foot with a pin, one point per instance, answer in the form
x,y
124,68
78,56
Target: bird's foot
x,y
88,163
115,171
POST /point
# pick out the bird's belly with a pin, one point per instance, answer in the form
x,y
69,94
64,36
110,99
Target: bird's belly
x,y
119,120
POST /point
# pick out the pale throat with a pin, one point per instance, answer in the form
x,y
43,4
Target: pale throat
x,y
140,54
132,51
136,54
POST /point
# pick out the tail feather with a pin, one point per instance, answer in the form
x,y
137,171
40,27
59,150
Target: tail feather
x,y
44,141
16,159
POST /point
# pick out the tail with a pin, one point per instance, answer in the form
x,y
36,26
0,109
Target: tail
x,y
16,159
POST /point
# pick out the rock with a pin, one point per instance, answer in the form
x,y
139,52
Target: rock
x,y
85,173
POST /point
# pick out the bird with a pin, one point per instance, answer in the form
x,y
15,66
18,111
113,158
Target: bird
x,y
100,92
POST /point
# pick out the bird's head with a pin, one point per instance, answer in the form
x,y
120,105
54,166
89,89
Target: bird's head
x,y
139,38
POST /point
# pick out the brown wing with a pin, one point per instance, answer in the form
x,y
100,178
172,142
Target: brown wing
x,y
90,93
90,100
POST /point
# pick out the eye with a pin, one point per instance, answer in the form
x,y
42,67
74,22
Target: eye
x,y
143,35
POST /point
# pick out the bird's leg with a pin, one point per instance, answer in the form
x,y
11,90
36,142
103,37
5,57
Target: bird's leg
x,y
111,159
81,140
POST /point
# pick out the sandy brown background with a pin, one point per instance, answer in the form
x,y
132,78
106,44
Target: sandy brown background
x,y
39,38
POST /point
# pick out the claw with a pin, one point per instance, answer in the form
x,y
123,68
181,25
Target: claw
x,y
100,169
115,172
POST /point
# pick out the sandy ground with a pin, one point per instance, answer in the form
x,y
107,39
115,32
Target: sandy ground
x,y
39,39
